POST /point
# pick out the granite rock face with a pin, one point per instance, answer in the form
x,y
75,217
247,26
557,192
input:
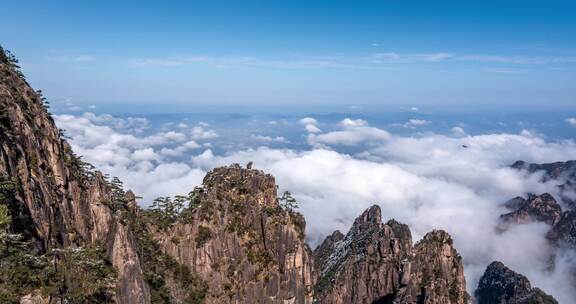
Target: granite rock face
x,y
376,263
563,234
437,272
241,242
57,205
499,284
323,251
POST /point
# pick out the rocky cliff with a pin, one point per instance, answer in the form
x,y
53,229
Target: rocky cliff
x,y
54,202
563,233
242,242
376,263
499,284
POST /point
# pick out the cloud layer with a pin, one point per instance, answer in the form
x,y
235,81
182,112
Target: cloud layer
x,y
429,182
368,61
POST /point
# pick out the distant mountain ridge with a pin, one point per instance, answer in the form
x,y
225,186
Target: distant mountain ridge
x,y
563,171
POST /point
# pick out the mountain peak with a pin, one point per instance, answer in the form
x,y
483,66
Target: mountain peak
x,y
376,263
372,215
500,284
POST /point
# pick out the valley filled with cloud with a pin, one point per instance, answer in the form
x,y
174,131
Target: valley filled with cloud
x,y
336,168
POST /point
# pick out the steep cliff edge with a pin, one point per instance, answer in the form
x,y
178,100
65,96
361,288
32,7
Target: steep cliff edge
x,y
376,263
55,202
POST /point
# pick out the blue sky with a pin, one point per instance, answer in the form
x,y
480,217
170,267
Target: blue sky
x,y
190,54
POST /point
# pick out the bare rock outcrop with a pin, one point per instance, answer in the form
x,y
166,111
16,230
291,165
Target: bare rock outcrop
x,y
499,284
55,203
436,273
536,208
376,263
323,252
563,234
241,242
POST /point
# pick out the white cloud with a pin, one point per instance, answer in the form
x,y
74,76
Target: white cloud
x,y
458,131
137,124
354,132
191,145
571,121
180,150
243,61
392,57
310,124
175,136
312,128
200,132
352,123
521,60
418,122
413,123
68,58
269,139
308,121
170,62
371,61
144,154
407,58
499,70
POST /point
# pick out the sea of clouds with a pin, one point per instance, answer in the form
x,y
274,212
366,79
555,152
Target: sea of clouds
x,y
453,182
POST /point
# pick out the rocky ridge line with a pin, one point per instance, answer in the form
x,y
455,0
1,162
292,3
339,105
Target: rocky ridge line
x,y
376,263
